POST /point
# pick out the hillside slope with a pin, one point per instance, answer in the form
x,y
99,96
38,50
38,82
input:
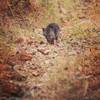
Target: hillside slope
x,y
31,68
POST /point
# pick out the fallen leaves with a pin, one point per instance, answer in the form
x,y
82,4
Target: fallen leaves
x,y
8,87
24,56
3,67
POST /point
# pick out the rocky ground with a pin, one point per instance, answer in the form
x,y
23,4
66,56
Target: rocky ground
x,y
69,70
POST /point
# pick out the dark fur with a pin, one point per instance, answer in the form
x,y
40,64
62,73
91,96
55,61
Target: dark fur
x,y
51,32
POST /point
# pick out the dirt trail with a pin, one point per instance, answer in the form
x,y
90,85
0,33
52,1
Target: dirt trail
x,y
55,72
68,70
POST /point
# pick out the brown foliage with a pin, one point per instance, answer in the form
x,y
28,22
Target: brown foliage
x,y
3,5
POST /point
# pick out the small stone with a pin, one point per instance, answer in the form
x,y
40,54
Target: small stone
x,y
36,73
43,51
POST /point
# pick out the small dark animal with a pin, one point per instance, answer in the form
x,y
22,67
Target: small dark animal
x,y
51,32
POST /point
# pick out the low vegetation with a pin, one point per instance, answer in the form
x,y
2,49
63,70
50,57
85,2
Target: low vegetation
x,y
33,69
